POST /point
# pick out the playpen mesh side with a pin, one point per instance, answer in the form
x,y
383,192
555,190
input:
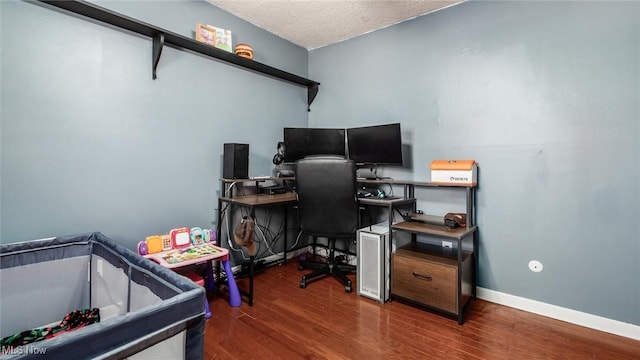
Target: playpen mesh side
x,y
148,303
41,282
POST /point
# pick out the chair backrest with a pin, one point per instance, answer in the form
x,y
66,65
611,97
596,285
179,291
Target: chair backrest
x,y
327,203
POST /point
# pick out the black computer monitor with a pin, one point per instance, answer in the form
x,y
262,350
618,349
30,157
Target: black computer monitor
x,y
375,145
301,142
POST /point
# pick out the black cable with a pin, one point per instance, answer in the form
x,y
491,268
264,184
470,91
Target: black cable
x,y
390,192
406,217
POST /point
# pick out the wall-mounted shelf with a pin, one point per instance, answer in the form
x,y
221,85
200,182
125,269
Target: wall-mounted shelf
x,y
163,37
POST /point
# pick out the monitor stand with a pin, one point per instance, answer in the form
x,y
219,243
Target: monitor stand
x,y
373,174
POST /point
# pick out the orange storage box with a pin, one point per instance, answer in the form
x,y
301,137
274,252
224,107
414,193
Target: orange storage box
x,y
454,172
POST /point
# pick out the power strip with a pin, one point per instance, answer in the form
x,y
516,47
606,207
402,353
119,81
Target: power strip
x,y
273,259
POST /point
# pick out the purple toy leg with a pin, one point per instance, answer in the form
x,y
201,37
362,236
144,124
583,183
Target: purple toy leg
x,y
234,294
207,310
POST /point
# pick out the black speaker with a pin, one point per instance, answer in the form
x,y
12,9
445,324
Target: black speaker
x,y
236,161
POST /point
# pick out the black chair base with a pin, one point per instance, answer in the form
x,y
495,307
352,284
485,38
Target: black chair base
x,y
338,271
335,270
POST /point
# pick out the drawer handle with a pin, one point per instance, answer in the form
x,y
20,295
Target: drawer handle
x,y
425,277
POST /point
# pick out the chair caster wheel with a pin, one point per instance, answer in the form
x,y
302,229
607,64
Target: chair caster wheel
x,y
300,267
303,284
348,289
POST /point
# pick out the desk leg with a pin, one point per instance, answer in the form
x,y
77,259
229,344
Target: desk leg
x,y
251,260
211,281
234,294
219,233
285,231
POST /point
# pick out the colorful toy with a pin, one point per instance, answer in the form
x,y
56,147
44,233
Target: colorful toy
x,y
142,248
191,253
154,244
244,50
166,242
180,238
197,236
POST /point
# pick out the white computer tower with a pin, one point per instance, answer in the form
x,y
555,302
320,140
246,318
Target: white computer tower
x,y
373,274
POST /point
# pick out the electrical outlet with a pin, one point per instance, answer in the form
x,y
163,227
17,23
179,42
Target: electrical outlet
x,y
447,244
535,266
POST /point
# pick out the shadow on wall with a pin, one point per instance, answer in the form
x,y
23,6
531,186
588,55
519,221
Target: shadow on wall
x,y
407,157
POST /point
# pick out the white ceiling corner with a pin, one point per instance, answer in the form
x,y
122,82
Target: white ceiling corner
x,y
316,23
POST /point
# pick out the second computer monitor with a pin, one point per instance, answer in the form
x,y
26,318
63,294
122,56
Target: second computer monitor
x,y
375,145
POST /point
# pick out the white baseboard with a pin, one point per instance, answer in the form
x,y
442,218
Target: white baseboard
x,y
559,313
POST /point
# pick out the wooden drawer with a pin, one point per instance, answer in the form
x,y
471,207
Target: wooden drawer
x,y
427,278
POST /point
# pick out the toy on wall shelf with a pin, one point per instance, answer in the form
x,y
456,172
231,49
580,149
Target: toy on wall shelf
x,y
244,50
214,36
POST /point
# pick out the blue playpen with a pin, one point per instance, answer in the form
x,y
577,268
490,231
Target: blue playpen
x,y
146,310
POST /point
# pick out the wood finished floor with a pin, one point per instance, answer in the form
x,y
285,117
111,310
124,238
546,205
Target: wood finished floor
x,y
324,322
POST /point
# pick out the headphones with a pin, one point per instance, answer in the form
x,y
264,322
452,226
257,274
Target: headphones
x,y
278,158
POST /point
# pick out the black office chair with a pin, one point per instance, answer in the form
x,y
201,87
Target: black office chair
x,y
328,208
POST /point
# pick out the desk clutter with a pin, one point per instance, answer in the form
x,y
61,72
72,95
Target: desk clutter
x,y
188,244
365,192
450,220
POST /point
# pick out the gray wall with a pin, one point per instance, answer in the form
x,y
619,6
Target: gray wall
x,y
91,143
545,96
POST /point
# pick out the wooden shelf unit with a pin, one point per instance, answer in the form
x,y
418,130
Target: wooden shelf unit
x,y
434,277
430,276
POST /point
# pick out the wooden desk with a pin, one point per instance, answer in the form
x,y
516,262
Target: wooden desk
x,y
198,254
257,200
261,199
408,199
252,201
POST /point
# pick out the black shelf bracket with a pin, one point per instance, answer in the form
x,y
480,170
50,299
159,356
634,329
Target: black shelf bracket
x,y
312,91
158,43
161,37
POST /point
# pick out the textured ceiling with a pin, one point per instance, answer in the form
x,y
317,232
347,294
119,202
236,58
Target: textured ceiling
x,y
316,23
